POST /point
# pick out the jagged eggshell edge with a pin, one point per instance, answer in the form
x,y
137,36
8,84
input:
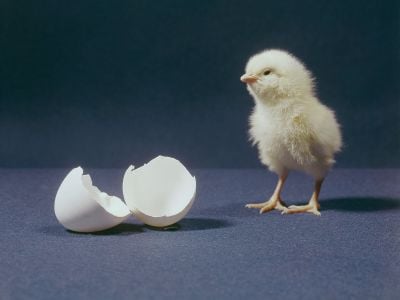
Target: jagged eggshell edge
x,y
79,206
156,221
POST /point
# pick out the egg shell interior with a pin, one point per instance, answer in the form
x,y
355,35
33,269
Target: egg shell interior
x,y
111,204
82,207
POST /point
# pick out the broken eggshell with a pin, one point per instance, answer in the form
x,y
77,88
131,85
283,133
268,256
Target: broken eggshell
x,y
161,192
80,206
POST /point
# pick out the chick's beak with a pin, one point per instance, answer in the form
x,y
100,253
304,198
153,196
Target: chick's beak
x,y
246,78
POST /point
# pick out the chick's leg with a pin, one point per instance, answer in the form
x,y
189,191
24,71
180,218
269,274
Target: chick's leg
x,y
275,202
312,206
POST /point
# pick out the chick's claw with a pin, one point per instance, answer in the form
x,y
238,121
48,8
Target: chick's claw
x,y
256,205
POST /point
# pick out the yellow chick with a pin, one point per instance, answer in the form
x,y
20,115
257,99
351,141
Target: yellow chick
x,y
292,129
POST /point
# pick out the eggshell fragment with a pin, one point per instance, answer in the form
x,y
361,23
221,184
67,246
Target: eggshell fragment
x,y
161,192
82,207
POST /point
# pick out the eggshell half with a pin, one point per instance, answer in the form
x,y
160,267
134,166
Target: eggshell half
x,y
82,207
161,192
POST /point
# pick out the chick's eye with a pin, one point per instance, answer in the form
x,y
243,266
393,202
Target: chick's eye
x,y
267,72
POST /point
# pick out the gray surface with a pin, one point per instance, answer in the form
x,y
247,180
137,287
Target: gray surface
x,y
221,251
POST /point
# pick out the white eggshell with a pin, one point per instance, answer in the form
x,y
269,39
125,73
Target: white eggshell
x,y
82,207
161,192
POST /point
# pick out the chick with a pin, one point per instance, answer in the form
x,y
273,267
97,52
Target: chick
x,y
291,128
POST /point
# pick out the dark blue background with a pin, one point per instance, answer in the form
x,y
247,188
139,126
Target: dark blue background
x,y
105,84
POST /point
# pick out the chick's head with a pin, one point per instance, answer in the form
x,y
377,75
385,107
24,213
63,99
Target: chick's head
x,y
276,74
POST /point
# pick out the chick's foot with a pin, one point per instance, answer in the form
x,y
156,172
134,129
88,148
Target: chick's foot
x,y
310,208
273,203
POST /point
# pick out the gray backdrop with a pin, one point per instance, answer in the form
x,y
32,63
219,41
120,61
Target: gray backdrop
x,y
108,83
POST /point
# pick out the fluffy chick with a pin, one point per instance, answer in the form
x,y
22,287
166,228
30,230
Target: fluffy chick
x,y
291,128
